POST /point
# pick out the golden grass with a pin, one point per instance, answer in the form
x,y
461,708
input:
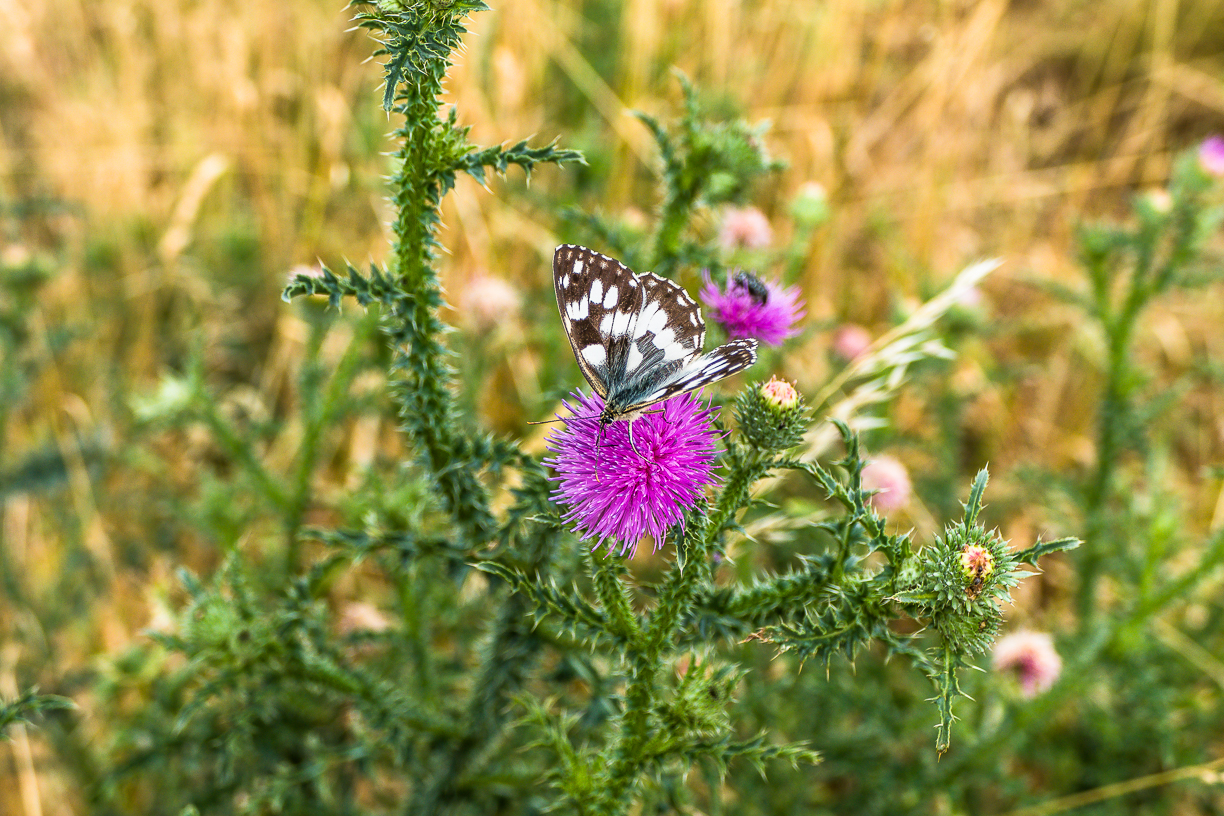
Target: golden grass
x,y
943,132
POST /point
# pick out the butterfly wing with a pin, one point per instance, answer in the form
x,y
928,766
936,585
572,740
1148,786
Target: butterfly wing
x,y
637,338
598,298
700,371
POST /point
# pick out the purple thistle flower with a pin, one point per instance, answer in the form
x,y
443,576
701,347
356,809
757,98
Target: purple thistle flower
x,y
610,493
744,310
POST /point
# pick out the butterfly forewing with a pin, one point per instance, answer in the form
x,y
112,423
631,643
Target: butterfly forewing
x,y
598,298
637,338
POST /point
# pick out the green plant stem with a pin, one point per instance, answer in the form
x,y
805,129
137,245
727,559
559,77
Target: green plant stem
x,y
1112,419
691,573
319,411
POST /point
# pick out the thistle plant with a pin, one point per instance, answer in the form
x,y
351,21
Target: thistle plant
x,y
526,663
650,725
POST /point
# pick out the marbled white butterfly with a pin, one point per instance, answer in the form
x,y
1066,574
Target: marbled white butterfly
x,y
637,338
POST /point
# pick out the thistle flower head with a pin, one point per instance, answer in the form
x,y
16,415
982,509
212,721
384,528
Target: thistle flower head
x,y
1031,657
750,307
615,491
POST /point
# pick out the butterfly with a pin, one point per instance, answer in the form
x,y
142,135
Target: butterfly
x,y
637,338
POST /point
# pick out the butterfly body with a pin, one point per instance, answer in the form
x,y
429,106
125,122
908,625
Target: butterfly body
x,y
637,338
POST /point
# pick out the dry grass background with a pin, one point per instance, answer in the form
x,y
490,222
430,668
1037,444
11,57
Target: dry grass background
x,y
943,132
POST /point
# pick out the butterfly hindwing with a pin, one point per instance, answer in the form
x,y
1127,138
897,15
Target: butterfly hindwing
x,y
637,338
703,370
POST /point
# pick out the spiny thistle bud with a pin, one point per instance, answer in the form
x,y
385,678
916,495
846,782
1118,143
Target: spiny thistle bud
x,y
780,394
961,580
772,416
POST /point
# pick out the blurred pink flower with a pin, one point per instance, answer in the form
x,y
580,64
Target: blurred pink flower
x,y
306,271
745,227
1030,656
1211,155
850,341
487,301
360,616
889,478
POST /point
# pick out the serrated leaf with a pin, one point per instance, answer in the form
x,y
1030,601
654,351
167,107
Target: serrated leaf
x,y
1035,552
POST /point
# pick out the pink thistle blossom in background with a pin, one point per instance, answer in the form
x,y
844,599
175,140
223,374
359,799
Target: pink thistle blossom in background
x,y
488,301
752,308
850,341
744,227
360,616
614,494
1211,155
890,481
306,271
1031,657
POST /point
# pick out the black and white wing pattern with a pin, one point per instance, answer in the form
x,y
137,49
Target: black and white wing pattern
x,y
637,338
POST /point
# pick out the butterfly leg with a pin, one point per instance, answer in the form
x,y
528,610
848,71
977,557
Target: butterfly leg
x,y
632,446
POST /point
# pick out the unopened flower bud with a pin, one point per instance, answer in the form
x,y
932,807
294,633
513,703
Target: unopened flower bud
x,y
811,205
780,394
1159,200
772,416
977,565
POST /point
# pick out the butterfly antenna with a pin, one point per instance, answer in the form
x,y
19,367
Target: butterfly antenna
x,y
549,421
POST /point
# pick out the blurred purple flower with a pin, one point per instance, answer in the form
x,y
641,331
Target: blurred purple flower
x,y
750,307
612,493
1211,155
1031,657
744,227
